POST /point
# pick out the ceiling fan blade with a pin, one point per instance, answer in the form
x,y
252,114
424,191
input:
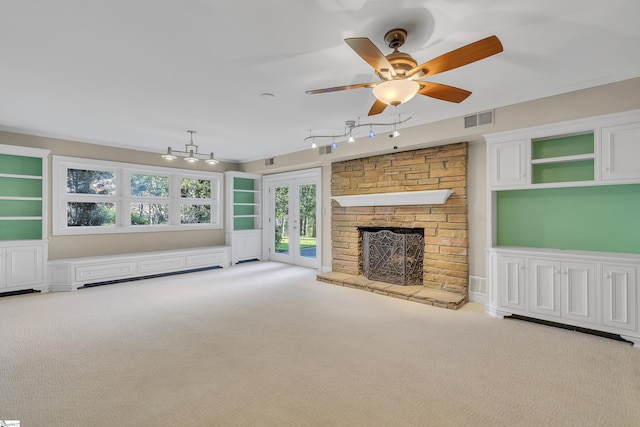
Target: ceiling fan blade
x,y
443,92
457,58
377,108
371,54
338,88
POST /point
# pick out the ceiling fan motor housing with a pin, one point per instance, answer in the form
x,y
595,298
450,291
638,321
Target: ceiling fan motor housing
x,y
402,62
395,38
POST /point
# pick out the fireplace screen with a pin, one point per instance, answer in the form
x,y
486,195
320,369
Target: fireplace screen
x,y
393,255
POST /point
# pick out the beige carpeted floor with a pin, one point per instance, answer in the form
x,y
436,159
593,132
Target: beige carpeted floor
x,y
265,344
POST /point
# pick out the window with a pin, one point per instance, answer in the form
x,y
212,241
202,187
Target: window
x,y
108,197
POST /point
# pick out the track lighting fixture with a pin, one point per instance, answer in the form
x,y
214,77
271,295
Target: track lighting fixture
x,y
350,126
395,132
190,153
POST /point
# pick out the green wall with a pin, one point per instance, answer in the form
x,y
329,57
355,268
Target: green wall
x,y
598,218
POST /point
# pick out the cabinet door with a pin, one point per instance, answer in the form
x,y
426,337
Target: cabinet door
x,y
544,286
579,292
508,162
619,305
246,245
24,266
511,283
620,152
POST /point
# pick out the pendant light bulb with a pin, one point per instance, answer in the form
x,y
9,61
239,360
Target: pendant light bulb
x,y
372,134
169,155
395,131
211,160
191,158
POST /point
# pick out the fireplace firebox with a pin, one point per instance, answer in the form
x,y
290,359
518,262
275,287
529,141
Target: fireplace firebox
x,y
392,255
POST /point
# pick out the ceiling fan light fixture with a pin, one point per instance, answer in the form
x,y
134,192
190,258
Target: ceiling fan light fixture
x,y
396,92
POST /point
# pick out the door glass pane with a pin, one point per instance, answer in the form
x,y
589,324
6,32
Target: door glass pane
x,y
282,220
307,220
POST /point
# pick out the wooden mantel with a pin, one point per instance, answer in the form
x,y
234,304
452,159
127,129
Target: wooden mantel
x,y
427,197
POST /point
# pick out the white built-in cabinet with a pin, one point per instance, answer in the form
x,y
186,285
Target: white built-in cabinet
x,y
21,266
591,289
243,219
621,152
509,160
23,220
615,153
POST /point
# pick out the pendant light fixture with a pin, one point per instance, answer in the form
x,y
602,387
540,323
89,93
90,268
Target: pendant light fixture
x,y
190,153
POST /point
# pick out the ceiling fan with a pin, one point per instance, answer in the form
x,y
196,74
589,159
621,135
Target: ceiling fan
x,y
401,74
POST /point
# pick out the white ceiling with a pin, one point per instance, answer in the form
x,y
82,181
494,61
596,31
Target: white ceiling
x,y
140,73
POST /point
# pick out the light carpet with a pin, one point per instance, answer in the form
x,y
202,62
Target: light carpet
x,y
265,344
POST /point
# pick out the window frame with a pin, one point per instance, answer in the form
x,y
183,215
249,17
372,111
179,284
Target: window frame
x,y
123,197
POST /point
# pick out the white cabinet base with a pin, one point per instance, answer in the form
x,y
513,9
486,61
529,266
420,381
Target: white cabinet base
x,y
23,266
245,245
70,274
589,290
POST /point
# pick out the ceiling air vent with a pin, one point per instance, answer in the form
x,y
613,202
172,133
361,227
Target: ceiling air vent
x,y
324,150
269,161
479,119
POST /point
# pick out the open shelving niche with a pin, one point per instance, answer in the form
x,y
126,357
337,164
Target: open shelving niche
x,y
243,216
23,222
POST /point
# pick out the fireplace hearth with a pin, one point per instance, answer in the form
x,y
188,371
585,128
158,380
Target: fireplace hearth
x,y
392,255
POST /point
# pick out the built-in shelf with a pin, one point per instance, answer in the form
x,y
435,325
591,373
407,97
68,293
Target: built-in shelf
x,y
244,216
427,197
563,159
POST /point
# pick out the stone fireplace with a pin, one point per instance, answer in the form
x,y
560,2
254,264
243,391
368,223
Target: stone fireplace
x,y
421,172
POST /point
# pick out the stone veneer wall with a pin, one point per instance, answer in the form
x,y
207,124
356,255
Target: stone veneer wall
x,y
446,264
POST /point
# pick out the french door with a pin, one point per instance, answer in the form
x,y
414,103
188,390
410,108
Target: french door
x,y
293,219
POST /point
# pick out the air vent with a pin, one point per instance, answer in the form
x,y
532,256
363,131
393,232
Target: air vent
x,y
479,119
269,161
325,150
477,285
